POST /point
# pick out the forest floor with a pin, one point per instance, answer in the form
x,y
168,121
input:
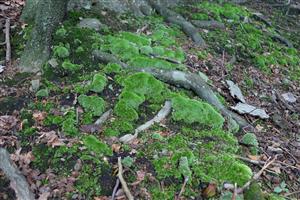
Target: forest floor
x,y
47,121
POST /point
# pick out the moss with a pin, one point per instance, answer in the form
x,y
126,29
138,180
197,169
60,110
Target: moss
x,y
93,104
254,192
251,140
112,68
139,40
98,84
69,124
93,144
145,62
125,112
71,67
61,52
191,111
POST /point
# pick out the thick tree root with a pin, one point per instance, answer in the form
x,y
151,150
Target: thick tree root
x,y
211,24
17,180
174,18
186,80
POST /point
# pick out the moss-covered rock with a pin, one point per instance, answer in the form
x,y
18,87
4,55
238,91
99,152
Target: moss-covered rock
x,y
191,111
98,84
93,104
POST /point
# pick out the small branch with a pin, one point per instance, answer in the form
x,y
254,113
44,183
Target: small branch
x,y
115,189
123,182
186,179
256,176
17,180
103,117
162,114
7,41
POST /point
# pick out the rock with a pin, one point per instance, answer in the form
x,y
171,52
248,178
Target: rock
x,y
146,10
235,91
91,23
289,97
35,85
244,108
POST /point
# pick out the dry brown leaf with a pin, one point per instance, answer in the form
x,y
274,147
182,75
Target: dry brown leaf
x,y
210,191
39,116
8,123
254,157
116,147
51,139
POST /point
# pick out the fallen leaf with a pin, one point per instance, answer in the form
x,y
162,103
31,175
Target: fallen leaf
x,y
8,123
44,196
51,139
116,147
254,157
210,191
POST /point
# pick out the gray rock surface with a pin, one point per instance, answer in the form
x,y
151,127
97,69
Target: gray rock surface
x,y
91,23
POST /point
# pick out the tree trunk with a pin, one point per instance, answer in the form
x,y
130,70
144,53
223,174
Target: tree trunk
x,y
46,14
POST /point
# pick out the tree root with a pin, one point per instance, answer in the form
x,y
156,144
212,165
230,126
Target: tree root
x,y
283,40
122,180
186,80
162,114
17,180
7,42
211,24
174,18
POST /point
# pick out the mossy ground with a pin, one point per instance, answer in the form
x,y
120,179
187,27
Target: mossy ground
x,y
79,90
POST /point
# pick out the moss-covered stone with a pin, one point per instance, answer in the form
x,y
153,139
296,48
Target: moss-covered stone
x,y
192,111
98,84
93,104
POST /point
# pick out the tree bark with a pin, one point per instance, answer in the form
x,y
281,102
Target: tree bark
x,y
47,16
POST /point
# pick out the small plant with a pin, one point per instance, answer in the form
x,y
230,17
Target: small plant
x,y
127,161
42,93
281,188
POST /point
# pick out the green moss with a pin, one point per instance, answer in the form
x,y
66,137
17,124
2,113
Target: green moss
x,y
112,68
61,52
125,112
145,62
192,111
67,65
139,40
93,104
98,84
251,140
93,144
254,192
69,124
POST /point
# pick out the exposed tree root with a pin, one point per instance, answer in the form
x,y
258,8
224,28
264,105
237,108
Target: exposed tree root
x,y
174,18
211,24
162,114
17,180
103,117
283,40
122,180
186,80
7,42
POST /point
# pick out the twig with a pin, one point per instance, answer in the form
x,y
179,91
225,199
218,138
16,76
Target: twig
x,y
123,182
115,189
256,176
234,192
17,180
162,114
291,193
7,41
186,179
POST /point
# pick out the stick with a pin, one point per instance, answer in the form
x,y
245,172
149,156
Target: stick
x,y
256,176
115,189
17,180
123,182
186,179
7,41
162,114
